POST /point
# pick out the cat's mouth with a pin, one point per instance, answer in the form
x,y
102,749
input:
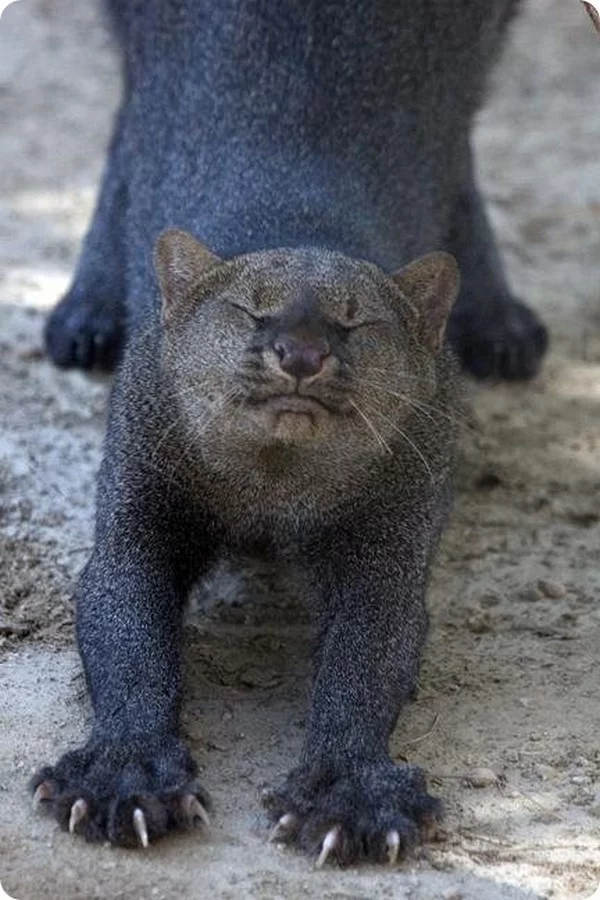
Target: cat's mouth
x,y
295,403
293,418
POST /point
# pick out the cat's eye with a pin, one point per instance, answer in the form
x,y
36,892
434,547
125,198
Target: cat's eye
x,y
349,315
355,325
253,315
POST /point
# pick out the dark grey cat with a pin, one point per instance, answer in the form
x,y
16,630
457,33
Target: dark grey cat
x,y
297,405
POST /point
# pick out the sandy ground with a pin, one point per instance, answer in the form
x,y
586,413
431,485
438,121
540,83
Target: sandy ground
x,y
509,681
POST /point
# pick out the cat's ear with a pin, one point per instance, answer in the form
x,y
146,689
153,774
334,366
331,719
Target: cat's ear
x,y
431,285
180,262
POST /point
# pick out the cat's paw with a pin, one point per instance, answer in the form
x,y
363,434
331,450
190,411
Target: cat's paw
x,y
498,339
373,813
85,333
127,794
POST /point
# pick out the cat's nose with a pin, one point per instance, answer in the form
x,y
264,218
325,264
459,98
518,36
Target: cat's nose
x,y
301,358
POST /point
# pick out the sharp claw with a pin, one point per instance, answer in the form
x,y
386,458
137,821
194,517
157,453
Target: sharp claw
x,y
42,792
79,811
139,826
393,846
329,842
194,810
285,824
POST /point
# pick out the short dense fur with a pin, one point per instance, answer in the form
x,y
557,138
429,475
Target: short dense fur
x,y
265,123
295,404
291,403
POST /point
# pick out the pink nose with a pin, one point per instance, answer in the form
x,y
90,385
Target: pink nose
x,y
301,358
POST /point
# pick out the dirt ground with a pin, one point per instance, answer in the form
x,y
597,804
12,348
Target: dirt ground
x,y
509,681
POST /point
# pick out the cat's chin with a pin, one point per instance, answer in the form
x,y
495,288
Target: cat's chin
x,y
293,419
294,427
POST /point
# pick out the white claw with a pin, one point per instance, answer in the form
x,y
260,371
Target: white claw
x,y
42,792
195,810
329,842
285,824
139,826
78,812
393,846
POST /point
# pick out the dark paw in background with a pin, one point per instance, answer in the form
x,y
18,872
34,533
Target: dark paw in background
x,y
373,813
85,333
498,339
128,795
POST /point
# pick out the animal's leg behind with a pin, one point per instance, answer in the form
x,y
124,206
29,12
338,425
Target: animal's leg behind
x,y
87,327
494,333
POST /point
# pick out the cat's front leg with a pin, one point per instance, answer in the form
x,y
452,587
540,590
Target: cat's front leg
x,y
134,779
347,800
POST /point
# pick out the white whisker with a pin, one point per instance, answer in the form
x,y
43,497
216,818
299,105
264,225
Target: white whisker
x,y
371,427
409,441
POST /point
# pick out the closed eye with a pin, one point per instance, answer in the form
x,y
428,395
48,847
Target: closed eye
x,y
254,316
354,326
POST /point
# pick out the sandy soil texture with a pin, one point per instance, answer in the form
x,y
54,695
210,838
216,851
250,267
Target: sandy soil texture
x,y
509,682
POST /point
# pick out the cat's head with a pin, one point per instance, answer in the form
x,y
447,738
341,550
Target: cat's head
x,y
301,348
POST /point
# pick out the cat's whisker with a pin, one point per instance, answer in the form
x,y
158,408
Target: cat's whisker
x,y
408,440
457,418
201,422
371,427
166,432
184,453
405,376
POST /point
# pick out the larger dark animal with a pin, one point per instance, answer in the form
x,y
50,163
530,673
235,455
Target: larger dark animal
x,y
268,123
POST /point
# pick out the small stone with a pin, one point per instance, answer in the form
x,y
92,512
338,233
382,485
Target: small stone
x,y
31,354
543,772
479,624
532,594
255,677
580,779
490,598
488,479
480,778
14,629
552,589
581,761
439,835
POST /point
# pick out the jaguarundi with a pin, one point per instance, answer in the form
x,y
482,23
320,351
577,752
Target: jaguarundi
x,y
284,388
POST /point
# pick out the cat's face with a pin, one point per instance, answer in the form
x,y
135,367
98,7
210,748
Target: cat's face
x,y
299,349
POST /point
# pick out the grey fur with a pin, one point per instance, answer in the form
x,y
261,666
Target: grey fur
x,y
255,124
202,460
